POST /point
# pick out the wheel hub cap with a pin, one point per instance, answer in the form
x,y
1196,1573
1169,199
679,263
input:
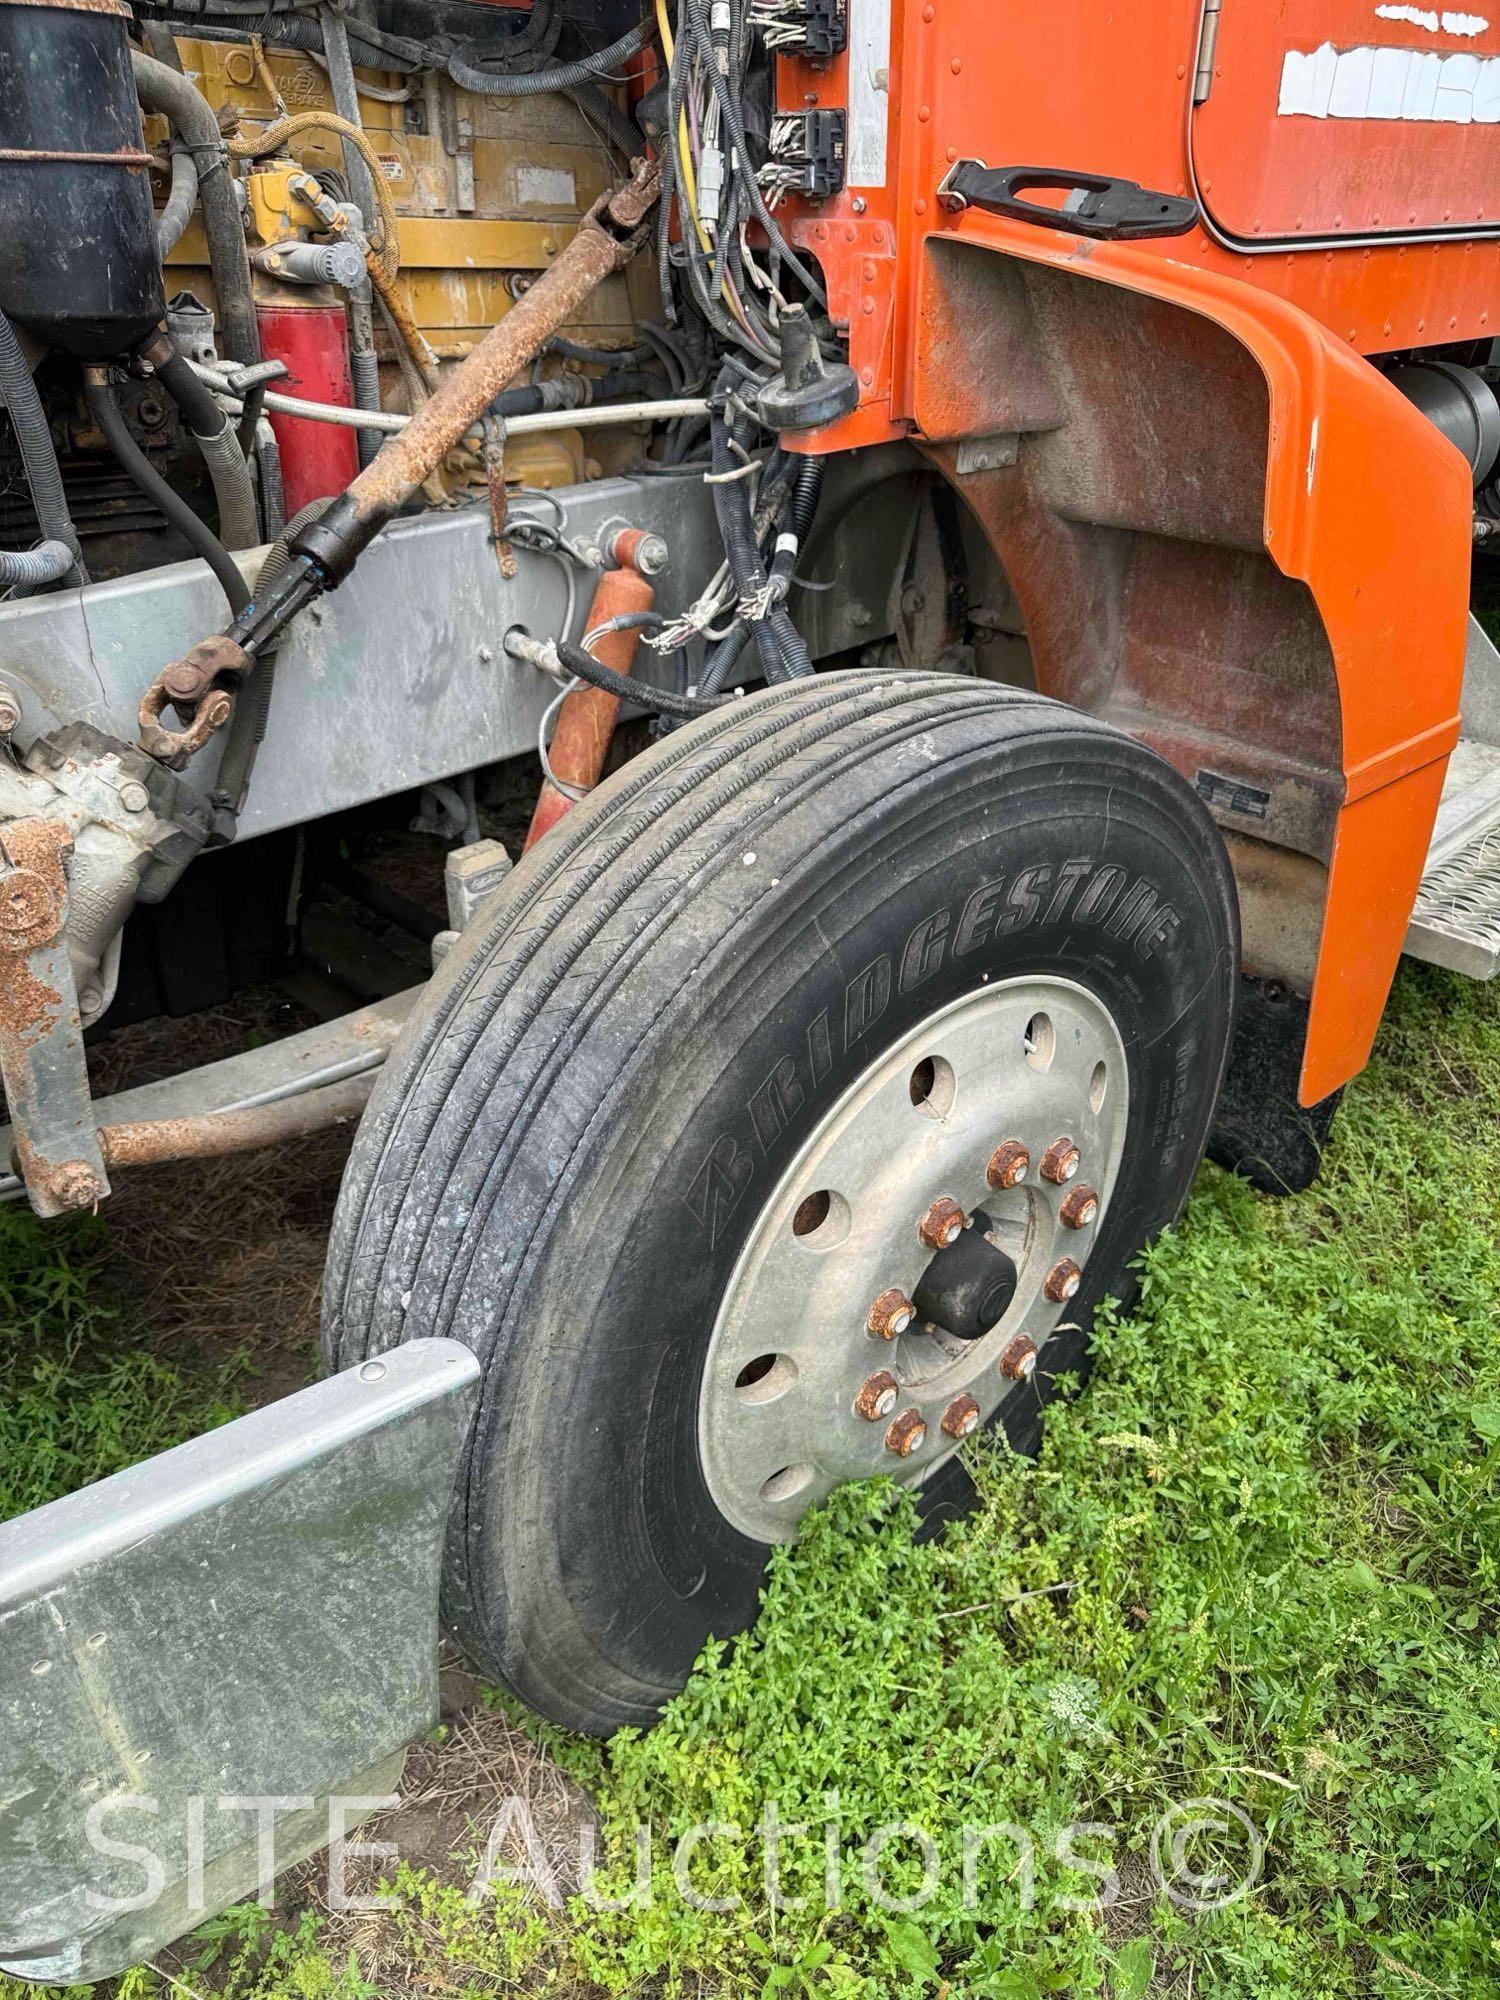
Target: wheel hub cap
x,y
821,1301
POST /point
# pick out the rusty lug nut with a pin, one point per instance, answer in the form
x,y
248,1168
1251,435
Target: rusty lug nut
x,y
1009,1165
878,1397
1063,1281
907,1434
942,1225
1019,1359
961,1418
892,1313
1061,1161
1081,1208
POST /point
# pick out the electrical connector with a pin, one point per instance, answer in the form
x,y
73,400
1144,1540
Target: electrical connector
x,y
815,29
808,150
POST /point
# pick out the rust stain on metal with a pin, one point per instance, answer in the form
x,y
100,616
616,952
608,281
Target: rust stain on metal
x,y
961,1418
942,1224
217,1132
1019,1359
908,1433
190,678
1060,1161
877,1397
1081,1208
1063,1281
1009,1165
607,239
892,1313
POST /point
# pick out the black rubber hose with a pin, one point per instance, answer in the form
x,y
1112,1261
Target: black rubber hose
x,y
165,90
107,415
587,668
616,385
537,82
38,453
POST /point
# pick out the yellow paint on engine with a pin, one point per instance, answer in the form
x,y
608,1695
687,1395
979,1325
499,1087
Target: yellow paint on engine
x,y
487,191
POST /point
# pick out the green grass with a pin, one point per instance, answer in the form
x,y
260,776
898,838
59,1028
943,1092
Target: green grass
x,y
1256,1562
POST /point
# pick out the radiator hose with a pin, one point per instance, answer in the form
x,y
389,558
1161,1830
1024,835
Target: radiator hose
x,y
28,569
166,91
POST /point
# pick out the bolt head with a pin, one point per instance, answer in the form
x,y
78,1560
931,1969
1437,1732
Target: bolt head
x,y
1061,1162
134,797
878,1397
1081,1208
1009,1165
961,1418
10,711
907,1434
1018,1362
1063,1281
942,1225
892,1313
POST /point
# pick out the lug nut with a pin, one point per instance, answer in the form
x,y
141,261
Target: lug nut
x,y
892,1313
1061,1161
907,1434
1019,1359
942,1225
1009,1165
961,1417
878,1397
1081,1208
1063,1281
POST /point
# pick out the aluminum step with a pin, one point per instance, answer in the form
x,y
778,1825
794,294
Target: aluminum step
x,y
1456,922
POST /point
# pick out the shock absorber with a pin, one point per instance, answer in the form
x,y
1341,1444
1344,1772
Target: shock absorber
x,y
586,720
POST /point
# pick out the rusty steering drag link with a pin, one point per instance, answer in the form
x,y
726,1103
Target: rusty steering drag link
x,y
200,686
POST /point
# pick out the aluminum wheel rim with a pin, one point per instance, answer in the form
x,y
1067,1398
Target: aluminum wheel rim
x,y
1030,1061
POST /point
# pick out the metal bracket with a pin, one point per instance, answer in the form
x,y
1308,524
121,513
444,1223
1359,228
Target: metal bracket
x,y
219,1656
988,454
1099,205
41,1032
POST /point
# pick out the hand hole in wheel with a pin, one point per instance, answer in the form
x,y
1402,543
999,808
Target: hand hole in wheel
x,y
765,1378
1041,1041
788,1484
933,1087
1098,1086
821,1220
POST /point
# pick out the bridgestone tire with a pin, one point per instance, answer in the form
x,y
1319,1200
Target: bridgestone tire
x,y
574,1135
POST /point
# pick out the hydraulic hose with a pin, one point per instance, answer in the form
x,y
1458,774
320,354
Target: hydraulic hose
x,y
182,199
38,456
165,90
26,569
107,414
234,492
537,82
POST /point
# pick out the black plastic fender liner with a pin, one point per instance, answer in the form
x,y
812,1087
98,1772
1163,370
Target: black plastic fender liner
x,y
572,1139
